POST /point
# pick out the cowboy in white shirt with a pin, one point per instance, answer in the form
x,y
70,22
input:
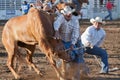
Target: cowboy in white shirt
x,y
92,38
67,28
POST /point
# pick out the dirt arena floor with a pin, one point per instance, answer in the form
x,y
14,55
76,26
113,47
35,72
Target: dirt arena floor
x,y
111,44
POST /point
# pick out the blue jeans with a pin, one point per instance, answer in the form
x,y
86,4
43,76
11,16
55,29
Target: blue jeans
x,y
109,15
102,54
76,55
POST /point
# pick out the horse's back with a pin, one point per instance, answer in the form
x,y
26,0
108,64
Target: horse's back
x,y
16,22
16,29
29,28
43,21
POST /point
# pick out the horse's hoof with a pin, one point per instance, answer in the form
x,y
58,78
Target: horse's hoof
x,y
18,78
62,78
41,74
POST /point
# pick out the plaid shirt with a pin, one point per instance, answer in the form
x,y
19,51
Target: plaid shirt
x,y
69,30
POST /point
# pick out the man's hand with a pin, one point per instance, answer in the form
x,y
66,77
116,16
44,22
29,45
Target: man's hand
x,y
57,35
71,47
89,45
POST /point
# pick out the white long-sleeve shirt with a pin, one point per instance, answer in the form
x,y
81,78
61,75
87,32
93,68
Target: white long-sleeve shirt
x,y
69,30
93,36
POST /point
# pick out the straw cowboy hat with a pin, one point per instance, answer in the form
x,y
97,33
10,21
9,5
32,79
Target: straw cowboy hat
x,y
97,19
67,10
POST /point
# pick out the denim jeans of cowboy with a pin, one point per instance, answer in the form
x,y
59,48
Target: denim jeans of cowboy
x,y
102,54
76,55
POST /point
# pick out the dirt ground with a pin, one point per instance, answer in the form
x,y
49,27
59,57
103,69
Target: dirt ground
x,y
111,44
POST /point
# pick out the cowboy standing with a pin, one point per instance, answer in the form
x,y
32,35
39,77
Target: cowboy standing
x,y
67,28
92,38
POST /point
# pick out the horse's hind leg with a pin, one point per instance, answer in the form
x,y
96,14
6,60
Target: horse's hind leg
x,y
11,48
30,50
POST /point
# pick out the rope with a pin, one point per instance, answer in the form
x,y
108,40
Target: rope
x,y
75,48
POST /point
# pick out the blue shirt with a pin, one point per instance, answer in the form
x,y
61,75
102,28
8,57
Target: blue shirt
x,y
25,8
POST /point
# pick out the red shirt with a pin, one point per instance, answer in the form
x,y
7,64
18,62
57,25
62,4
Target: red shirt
x,y
109,5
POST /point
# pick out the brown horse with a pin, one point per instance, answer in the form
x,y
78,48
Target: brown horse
x,y
27,31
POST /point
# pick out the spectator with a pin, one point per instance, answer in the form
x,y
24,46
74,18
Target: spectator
x,y
92,39
39,4
47,6
70,2
67,28
25,7
109,7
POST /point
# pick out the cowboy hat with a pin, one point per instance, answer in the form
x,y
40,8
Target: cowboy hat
x,y
97,19
67,10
